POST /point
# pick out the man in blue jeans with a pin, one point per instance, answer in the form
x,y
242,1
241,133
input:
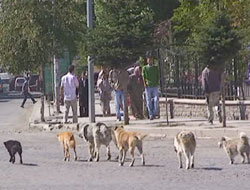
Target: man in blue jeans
x,y
118,79
151,80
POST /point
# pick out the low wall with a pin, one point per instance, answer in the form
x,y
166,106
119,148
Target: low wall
x,y
235,110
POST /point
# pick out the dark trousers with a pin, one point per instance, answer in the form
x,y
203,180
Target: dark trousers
x,y
26,95
84,111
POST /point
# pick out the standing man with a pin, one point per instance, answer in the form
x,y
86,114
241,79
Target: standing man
x,y
25,91
84,95
105,92
118,80
69,83
151,81
211,84
135,90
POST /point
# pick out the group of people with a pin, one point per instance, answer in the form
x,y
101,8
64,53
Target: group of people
x,y
119,81
136,81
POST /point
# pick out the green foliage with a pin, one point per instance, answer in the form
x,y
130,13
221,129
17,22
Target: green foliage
x,y
163,9
217,41
123,31
33,31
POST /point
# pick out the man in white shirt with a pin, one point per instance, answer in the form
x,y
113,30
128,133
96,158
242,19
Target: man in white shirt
x,y
69,83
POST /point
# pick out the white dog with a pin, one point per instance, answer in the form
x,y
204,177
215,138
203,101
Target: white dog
x,y
184,142
96,135
236,146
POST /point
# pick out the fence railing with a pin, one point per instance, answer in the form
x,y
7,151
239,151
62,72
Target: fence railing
x,y
234,90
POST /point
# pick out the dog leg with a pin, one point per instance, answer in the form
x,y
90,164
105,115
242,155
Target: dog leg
x,y
187,160
141,152
120,156
192,160
108,153
97,149
247,154
243,157
91,152
179,158
133,156
123,156
13,159
67,154
21,160
10,157
75,157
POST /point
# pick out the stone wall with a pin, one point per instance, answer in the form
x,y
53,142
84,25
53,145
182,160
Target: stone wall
x,y
235,110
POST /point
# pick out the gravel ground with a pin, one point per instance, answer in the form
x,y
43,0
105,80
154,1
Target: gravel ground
x,y
44,167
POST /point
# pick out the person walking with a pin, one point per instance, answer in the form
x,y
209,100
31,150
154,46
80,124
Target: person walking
x,y
26,92
69,84
135,90
211,84
84,95
105,92
151,79
118,80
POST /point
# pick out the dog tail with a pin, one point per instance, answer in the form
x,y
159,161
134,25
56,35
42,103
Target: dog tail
x,y
244,138
85,132
141,136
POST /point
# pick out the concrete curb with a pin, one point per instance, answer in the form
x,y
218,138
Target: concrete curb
x,y
154,132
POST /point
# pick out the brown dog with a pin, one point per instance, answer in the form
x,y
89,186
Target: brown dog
x,y
127,140
68,141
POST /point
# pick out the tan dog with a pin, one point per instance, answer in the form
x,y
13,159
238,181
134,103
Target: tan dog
x,y
68,141
127,140
236,146
184,142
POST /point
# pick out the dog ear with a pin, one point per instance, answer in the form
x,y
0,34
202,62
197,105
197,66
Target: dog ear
x,y
122,127
116,127
57,135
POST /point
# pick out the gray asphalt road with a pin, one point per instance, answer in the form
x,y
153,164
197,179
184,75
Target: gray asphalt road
x,y
44,167
12,116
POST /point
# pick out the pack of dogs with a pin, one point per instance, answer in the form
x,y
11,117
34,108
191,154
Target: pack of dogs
x,y
100,134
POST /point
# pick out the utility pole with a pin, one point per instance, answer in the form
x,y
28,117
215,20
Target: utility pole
x,y
91,67
56,84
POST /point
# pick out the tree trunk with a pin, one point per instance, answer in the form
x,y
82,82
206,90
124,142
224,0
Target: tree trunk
x,y
125,109
223,100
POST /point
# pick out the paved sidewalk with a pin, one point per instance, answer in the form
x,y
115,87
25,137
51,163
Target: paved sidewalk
x,y
155,128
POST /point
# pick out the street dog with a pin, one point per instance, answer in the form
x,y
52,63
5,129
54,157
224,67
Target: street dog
x,y
184,142
14,147
96,135
68,141
127,140
236,146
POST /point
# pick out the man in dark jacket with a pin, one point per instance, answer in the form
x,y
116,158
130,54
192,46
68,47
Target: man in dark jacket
x,y
83,95
211,84
25,92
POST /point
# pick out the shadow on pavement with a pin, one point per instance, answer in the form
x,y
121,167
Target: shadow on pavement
x,y
211,168
29,164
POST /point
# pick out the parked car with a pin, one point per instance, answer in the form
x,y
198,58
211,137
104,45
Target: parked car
x,y
19,83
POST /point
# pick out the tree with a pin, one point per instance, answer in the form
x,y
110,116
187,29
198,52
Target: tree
x,y
123,31
33,31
